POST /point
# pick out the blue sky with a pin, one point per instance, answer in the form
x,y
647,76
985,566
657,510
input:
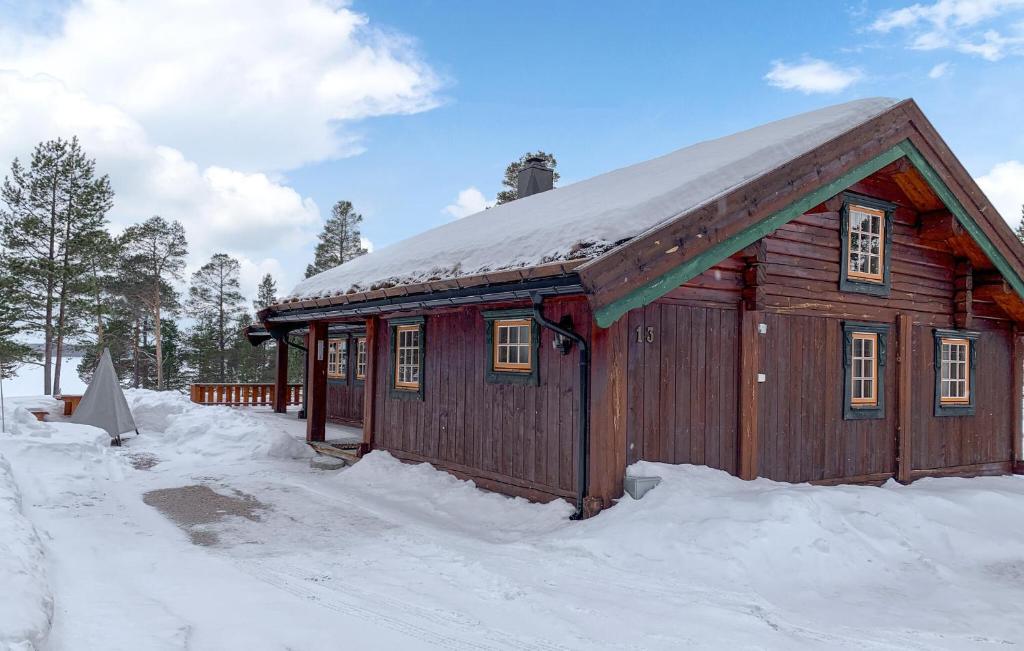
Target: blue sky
x,y
458,89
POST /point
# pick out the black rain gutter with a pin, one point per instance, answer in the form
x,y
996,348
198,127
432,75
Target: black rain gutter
x,y
583,457
557,286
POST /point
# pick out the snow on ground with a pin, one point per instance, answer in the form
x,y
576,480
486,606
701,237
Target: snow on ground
x,y
386,555
29,379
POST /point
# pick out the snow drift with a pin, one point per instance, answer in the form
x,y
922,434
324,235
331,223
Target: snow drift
x,y
26,605
212,431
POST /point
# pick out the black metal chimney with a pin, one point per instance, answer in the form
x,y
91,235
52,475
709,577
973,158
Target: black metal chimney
x,y
534,177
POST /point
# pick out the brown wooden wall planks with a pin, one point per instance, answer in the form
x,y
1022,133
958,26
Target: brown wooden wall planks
x,y
520,436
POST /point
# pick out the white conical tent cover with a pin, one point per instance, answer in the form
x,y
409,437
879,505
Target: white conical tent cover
x,y
104,404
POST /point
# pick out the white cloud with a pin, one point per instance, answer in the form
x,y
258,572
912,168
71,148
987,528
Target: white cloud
x,y
1004,186
247,84
938,71
192,107
958,25
812,76
222,209
469,201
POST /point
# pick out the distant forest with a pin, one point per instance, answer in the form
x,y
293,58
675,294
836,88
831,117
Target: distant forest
x,y
67,282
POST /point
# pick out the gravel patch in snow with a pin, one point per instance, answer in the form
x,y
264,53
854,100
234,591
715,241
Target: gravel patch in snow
x,y
195,507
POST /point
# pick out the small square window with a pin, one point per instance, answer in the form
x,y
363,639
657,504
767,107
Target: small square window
x,y
864,366
407,357
513,341
865,238
954,372
337,358
406,379
360,358
867,244
864,369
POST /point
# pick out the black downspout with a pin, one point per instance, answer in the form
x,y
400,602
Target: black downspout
x,y
582,479
305,372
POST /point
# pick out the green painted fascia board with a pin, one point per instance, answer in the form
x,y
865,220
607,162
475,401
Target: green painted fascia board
x,y
655,289
607,315
955,207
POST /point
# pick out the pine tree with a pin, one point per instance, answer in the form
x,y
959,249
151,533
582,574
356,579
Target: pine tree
x,y
154,252
263,361
12,352
511,180
340,241
216,303
266,294
1020,226
52,212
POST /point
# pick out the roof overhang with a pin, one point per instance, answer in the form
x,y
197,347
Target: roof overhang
x,y
567,284
650,266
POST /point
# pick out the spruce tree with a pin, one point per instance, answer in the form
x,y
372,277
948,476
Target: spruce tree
x,y
216,303
340,241
511,180
266,293
52,210
1020,226
263,361
154,253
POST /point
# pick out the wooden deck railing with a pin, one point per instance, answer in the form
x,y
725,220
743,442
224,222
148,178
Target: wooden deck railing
x,y
242,395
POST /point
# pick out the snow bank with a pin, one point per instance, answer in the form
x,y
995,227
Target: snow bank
x,y
26,605
934,542
584,219
211,431
420,491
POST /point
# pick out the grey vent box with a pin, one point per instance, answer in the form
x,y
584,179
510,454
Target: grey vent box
x,y
637,487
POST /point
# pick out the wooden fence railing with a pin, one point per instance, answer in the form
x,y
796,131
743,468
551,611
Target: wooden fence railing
x,y
242,395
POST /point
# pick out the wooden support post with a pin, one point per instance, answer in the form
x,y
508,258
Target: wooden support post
x,y
963,285
750,367
370,386
316,382
281,378
755,276
1017,397
904,375
608,411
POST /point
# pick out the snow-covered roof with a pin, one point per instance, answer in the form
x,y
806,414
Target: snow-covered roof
x,y
584,219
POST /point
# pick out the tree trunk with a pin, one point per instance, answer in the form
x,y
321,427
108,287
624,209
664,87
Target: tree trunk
x,y
65,278
50,281
135,354
158,341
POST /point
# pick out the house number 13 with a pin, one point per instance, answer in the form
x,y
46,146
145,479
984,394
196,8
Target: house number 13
x,y
641,337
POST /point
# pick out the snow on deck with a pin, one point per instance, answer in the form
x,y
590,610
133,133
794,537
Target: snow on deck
x,y
583,219
387,555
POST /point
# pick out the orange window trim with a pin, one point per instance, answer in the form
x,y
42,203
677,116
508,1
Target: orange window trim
x,y
966,398
361,358
334,358
400,384
872,400
863,275
515,367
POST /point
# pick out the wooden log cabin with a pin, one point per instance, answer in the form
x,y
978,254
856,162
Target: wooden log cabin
x,y
828,298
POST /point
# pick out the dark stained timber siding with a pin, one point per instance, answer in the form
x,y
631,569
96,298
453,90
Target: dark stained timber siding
x,y
985,437
345,401
682,384
521,437
682,387
803,434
